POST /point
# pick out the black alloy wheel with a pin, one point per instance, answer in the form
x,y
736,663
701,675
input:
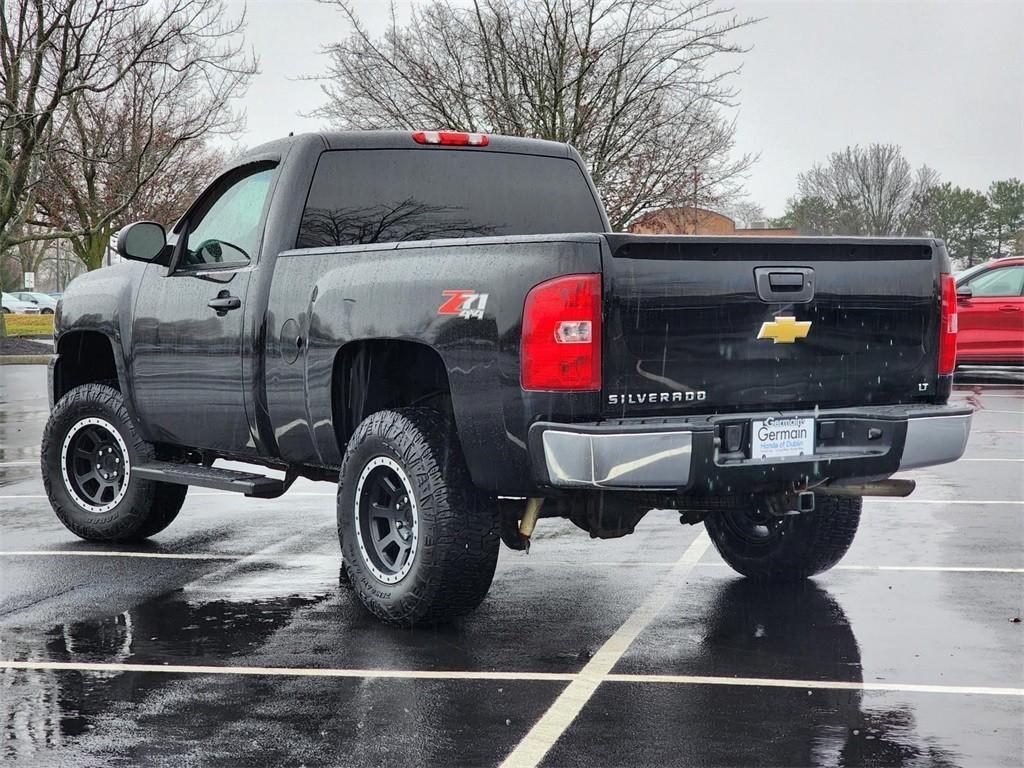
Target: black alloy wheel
x,y
95,466
89,451
388,521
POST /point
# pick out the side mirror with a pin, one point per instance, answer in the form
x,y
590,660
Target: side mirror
x,y
964,292
141,241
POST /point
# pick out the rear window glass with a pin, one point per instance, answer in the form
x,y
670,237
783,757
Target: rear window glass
x,y
389,195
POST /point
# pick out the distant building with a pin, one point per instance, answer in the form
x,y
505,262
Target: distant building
x,y
687,220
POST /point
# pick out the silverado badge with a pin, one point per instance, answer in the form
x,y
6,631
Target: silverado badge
x,y
784,330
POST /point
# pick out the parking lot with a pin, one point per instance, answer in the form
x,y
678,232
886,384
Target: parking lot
x,y
232,639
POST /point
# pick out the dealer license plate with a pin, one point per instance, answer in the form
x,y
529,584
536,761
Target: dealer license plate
x,y
781,438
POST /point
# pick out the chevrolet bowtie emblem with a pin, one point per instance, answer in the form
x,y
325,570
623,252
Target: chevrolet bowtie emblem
x,y
784,330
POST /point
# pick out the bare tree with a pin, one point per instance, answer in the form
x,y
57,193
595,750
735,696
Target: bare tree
x,y
869,190
91,84
118,143
745,212
638,86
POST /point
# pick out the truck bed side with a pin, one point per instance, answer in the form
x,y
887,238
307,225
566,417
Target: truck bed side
x,y
333,297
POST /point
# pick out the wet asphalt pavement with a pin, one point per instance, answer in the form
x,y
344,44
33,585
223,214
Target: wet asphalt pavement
x,y
231,640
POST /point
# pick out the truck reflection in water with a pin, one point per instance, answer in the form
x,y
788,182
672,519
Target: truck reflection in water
x,y
796,631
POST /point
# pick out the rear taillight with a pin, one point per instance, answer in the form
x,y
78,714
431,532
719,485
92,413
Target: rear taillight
x,y
561,347
452,138
947,326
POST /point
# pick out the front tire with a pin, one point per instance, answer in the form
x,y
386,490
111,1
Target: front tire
x,y
768,548
89,448
420,542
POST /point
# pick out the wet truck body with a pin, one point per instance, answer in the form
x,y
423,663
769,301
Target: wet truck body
x,y
446,319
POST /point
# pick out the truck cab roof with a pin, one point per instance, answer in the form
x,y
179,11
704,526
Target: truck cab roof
x,y
390,139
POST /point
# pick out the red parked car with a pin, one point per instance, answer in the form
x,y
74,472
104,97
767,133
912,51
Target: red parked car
x,y
990,302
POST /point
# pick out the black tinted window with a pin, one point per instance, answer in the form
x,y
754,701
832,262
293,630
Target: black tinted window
x,y
388,195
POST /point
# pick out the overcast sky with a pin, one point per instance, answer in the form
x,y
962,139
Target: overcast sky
x,y
943,79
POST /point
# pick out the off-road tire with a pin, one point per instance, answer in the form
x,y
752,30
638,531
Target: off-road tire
x,y
797,547
146,508
457,544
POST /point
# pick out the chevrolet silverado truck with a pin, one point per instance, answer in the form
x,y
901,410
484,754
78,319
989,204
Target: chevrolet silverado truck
x,y
444,325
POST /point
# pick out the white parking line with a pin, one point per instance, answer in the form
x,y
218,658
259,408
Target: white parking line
x,y
976,392
946,502
559,716
225,493
909,568
333,494
966,394
770,682
959,460
512,560
102,553
484,675
194,669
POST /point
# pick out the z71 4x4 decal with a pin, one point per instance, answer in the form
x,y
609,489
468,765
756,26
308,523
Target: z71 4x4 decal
x,y
466,304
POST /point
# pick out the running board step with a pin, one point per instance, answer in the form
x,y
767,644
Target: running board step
x,y
249,483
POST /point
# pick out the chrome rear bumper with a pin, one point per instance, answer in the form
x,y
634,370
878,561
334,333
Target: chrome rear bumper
x,y
935,440
684,453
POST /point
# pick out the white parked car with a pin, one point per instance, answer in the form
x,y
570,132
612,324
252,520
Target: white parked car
x,y
13,304
47,304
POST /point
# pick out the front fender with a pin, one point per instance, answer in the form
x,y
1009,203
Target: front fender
x,y
99,302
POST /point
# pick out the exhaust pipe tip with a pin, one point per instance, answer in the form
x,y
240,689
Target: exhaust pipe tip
x,y
893,487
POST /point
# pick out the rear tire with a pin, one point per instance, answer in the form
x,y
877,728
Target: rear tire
x,y
102,502
420,542
767,548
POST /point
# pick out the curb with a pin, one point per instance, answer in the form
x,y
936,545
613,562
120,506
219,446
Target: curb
x,y
25,359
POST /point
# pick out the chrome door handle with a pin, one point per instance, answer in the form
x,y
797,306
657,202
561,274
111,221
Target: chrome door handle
x,y
224,303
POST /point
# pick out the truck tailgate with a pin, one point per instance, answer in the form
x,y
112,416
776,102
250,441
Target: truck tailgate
x,y
684,316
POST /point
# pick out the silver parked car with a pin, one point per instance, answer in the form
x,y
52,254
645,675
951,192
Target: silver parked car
x,y
46,303
12,304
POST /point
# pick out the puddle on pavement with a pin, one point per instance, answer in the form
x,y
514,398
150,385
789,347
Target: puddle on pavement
x,y
789,631
798,632
44,709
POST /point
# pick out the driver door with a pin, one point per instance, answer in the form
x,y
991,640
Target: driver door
x,y
189,320
992,319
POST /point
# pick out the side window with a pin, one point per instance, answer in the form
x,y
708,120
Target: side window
x,y
225,230
1003,281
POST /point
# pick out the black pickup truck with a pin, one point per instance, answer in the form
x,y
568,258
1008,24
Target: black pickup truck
x,y
443,324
